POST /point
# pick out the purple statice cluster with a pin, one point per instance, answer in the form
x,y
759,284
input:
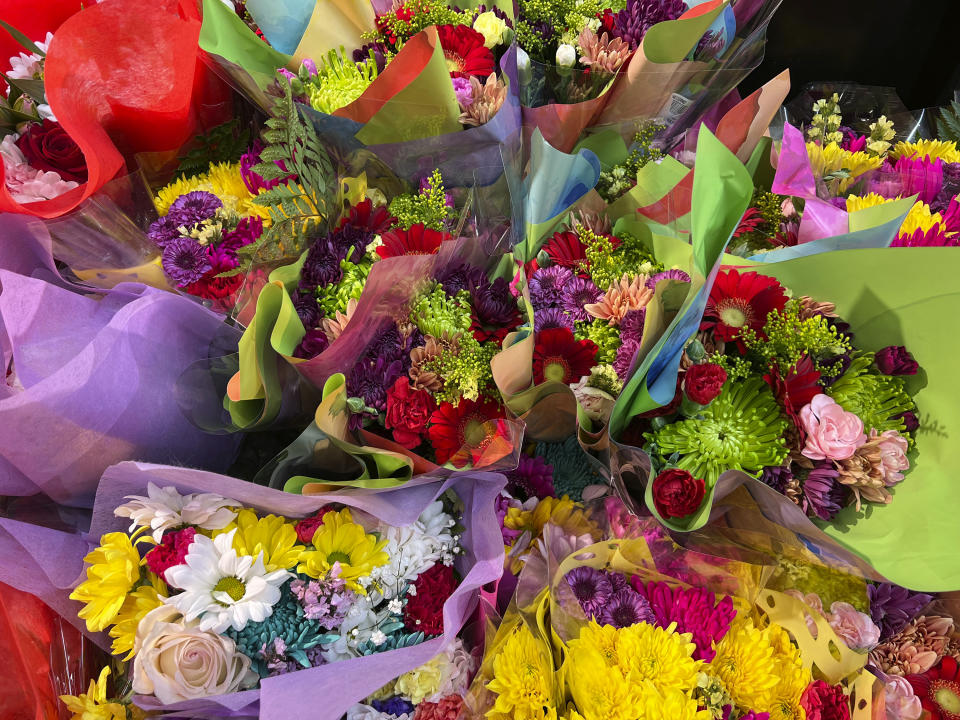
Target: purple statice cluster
x,y
326,601
608,597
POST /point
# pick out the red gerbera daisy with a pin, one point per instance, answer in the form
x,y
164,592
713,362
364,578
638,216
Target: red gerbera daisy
x,y
465,52
558,356
464,432
799,386
738,301
365,216
566,250
751,220
418,240
939,690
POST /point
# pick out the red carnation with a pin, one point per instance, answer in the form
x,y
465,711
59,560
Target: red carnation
x,y
825,702
447,708
366,216
677,493
418,240
560,357
211,287
408,411
461,432
424,609
465,52
703,383
307,527
738,301
170,552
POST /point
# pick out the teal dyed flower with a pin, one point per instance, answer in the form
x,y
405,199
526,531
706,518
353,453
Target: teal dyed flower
x,y
393,642
741,430
572,467
878,400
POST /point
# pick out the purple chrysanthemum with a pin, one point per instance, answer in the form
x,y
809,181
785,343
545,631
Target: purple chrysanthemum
x,y
547,284
552,318
822,494
892,607
493,304
185,260
632,23
362,54
577,293
305,303
390,345
195,206
458,278
370,379
164,230
631,327
349,242
248,231
667,275
618,581
395,706
533,477
695,611
626,607
777,477
625,355
591,587
321,266
312,344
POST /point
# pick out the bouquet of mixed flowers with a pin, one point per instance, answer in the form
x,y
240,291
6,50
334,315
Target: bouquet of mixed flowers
x,y
205,597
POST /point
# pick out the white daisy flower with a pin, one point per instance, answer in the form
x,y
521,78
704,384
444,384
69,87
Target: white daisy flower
x,y
165,509
224,589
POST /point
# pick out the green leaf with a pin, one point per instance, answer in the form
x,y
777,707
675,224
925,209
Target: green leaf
x,y
26,42
32,88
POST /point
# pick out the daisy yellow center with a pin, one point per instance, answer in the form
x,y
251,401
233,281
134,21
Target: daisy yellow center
x,y
232,587
473,431
338,556
454,64
947,696
556,369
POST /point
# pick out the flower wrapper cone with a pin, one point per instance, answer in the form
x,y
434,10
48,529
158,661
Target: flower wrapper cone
x,y
303,28
110,107
91,378
328,690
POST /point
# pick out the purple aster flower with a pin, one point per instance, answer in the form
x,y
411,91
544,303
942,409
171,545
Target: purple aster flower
x,y
552,318
667,275
695,611
195,206
533,477
577,293
822,494
892,607
547,284
248,231
625,355
631,327
591,587
321,266
305,303
460,278
632,23
164,230
313,343
625,608
185,260
393,706
777,477
492,303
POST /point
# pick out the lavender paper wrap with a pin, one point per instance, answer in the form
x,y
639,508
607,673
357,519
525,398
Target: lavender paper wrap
x,y
325,692
91,376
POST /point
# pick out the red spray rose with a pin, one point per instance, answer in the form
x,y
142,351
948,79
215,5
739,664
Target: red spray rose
x,y
47,147
702,383
677,493
307,527
825,702
408,411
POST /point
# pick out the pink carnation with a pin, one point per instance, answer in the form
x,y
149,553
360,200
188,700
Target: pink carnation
x,y
894,448
855,628
832,432
170,552
902,703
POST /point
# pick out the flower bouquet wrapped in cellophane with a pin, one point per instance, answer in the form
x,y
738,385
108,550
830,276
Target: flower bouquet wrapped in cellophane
x,y
333,604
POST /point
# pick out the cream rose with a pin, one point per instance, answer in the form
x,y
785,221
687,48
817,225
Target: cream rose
x,y
176,661
492,28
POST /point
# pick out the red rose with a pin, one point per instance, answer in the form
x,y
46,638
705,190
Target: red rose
x,y
408,411
48,147
825,702
702,383
677,493
307,527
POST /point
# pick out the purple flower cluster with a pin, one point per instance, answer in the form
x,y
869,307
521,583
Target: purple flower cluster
x,y
547,284
608,598
492,303
577,293
326,601
632,23
395,706
695,611
533,477
279,663
892,607
667,275
185,260
822,493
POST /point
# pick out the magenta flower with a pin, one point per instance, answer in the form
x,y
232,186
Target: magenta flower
x,y
920,176
695,611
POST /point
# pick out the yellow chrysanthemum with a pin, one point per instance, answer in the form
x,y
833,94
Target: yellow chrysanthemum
x,y
522,679
746,664
113,569
340,540
603,638
93,704
223,180
662,656
829,158
601,691
927,149
920,218
563,512
672,703
862,202
793,678
272,535
138,603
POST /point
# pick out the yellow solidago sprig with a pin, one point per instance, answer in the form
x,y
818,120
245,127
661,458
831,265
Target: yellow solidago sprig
x,y
141,601
223,180
522,679
93,704
113,570
345,543
271,535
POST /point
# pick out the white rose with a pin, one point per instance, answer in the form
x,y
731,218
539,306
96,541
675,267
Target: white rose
x,y
566,55
177,661
492,28
596,403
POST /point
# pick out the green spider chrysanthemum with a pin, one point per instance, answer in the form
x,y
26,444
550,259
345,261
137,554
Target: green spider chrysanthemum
x,y
334,298
878,400
572,469
435,313
604,336
741,430
338,82
466,372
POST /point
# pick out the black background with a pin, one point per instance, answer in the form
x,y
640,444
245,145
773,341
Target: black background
x,y
907,44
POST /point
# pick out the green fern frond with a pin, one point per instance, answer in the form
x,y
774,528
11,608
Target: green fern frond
x,y
948,124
